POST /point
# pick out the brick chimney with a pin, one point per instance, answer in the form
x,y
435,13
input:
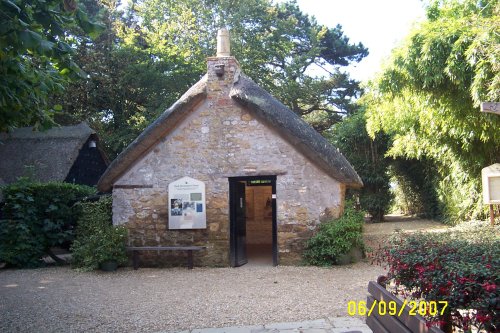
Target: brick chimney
x,y
223,70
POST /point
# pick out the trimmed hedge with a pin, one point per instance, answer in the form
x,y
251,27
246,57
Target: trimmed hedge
x,y
36,217
335,240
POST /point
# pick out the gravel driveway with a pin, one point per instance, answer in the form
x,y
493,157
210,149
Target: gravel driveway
x,y
58,299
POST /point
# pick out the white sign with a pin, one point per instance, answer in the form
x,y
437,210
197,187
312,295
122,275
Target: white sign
x,y
186,204
491,184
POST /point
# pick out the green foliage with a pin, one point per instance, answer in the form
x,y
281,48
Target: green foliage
x,y
367,156
460,266
154,51
428,95
97,240
276,45
128,86
37,217
337,238
36,57
415,193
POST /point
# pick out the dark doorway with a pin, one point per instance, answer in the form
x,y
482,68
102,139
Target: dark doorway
x,y
253,227
237,207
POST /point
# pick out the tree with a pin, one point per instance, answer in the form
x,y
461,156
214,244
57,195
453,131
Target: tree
x,y
427,98
367,156
36,57
127,87
155,50
415,192
281,48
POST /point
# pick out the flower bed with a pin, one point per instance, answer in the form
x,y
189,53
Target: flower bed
x,y
460,266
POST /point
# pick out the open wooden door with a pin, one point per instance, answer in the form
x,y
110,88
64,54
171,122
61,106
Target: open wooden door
x,y
237,212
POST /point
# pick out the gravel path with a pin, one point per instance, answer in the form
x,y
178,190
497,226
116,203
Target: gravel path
x,y
377,234
58,299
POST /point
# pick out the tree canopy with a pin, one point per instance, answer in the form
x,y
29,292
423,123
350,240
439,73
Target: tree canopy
x,y
367,156
427,98
153,51
36,49
281,48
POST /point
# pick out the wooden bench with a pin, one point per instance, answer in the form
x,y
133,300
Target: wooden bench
x,y
404,323
136,249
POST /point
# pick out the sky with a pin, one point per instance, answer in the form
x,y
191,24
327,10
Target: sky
x,y
378,24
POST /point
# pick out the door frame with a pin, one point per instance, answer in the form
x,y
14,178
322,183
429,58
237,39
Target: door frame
x,y
274,213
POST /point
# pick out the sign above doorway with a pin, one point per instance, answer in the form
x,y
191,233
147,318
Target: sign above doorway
x,y
259,182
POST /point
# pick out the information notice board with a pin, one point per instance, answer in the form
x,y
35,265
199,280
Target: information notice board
x,y
186,204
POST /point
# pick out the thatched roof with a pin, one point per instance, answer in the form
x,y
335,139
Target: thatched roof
x,y
299,133
266,107
44,155
152,134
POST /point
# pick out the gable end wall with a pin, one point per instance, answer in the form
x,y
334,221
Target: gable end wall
x,y
217,140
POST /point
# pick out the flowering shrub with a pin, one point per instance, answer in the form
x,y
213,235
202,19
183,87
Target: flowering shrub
x,y
460,266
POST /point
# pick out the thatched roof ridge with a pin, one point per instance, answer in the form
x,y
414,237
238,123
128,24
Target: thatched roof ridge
x,y
152,134
80,131
50,153
295,130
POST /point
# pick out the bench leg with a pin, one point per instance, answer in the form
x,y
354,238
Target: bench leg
x,y
135,259
190,259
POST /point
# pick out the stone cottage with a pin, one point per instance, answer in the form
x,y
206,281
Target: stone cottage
x,y
231,168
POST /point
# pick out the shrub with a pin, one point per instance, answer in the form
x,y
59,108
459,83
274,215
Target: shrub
x,y
97,240
36,217
336,239
461,267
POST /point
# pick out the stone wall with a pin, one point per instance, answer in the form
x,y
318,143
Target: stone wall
x,y
216,140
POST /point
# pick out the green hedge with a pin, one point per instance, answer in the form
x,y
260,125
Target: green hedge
x,y
335,241
36,217
97,240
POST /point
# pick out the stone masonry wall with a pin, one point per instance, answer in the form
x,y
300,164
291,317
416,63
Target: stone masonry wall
x,y
217,140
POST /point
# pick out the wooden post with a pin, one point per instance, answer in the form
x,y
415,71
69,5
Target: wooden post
x,y
135,259
492,216
190,259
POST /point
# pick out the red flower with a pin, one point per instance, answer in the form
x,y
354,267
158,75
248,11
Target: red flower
x,y
482,318
462,280
489,287
443,290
